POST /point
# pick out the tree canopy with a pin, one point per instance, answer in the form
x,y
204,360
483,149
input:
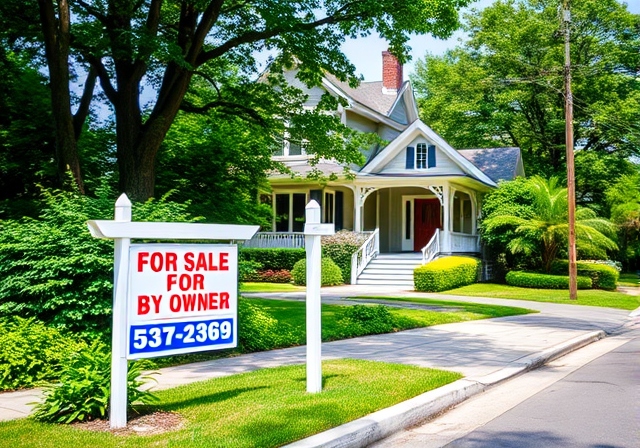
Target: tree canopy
x,y
159,46
504,85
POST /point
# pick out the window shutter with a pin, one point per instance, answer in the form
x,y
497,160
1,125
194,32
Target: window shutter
x,y
431,156
339,210
410,157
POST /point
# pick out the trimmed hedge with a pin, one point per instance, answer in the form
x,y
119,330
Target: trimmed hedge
x,y
602,276
331,274
544,281
446,273
273,259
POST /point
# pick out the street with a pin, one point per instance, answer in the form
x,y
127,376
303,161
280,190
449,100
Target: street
x,y
590,398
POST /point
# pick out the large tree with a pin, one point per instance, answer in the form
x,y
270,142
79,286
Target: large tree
x,y
160,45
504,84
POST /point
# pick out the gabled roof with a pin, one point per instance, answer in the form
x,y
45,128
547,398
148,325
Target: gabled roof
x,y
367,93
416,128
497,163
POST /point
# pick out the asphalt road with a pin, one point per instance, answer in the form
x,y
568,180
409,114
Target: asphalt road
x,y
598,405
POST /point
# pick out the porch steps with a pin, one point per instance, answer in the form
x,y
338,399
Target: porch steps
x,y
391,269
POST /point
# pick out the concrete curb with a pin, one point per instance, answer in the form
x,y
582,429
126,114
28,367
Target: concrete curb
x,y
378,425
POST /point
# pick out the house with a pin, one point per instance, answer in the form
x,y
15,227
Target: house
x,y
415,195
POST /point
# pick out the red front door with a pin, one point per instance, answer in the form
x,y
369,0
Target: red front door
x,y
426,219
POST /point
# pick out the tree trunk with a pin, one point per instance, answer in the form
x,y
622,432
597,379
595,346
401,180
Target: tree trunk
x,y
56,38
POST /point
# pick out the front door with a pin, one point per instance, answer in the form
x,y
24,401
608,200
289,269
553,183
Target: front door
x,y
426,219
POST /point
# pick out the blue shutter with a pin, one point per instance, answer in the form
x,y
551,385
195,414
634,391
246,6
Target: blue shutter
x,y
410,157
431,156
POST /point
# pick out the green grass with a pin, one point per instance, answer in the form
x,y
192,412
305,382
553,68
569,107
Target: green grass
x,y
629,279
270,287
591,297
266,408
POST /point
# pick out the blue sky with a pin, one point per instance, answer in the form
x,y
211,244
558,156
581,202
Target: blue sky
x,y
366,54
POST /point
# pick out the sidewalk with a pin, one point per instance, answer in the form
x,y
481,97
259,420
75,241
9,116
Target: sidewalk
x,y
485,351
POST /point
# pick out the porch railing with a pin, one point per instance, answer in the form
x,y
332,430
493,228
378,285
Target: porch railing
x,y
432,249
461,242
361,258
270,240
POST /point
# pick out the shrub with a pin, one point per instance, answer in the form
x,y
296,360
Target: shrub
x,y
273,259
359,320
258,331
331,274
54,270
446,273
602,276
544,281
83,391
32,353
340,247
270,276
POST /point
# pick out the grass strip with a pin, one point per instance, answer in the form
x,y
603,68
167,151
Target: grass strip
x,y
265,408
591,297
270,287
629,279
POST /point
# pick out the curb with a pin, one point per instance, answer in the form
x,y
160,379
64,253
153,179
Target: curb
x,y
378,425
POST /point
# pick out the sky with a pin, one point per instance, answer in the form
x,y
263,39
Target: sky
x,y
366,53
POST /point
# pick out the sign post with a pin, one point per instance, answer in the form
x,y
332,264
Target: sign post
x,y
313,232
168,298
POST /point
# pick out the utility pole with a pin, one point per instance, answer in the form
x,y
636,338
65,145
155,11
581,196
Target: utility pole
x,y
571,178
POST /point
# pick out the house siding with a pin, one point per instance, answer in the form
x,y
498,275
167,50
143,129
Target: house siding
x,y
399,113
444,164
314,93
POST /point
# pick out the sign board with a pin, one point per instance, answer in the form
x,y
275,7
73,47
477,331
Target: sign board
x,y
182,298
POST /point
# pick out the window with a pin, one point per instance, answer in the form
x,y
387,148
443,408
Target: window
x,y
425,156
461,214
421,156
289,212
329,200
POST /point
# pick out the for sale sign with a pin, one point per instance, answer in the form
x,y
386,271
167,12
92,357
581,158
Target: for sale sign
x,y
181,299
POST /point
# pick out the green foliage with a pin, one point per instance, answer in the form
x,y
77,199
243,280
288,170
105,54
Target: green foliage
x,y
503,86
544,281
258,331
269,276
54,270
446,273
543,230
32,353
340,247
274,259
82,392
331,274
360,320
623,198
602,276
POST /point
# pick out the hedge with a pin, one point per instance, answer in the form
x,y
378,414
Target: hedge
x,y
602,276
273,259
544,281
331,274
340,247
446,273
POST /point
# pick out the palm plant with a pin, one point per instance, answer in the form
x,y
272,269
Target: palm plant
x,y
547,230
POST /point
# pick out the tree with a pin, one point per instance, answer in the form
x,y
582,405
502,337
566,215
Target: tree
x,y
504,85
624,199
165,43
545,230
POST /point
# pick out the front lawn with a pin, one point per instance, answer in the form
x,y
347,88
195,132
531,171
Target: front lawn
x,y
265,408
629,279
591,297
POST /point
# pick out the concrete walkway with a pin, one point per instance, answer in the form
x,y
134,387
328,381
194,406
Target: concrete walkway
x,y
475,349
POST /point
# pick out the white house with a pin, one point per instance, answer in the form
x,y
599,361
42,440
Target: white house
x,y
416,195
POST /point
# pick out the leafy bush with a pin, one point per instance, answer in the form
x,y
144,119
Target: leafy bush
x,y
274,259
331,274
83,391
359,320
601,275
446,273
32,353
259,332
270,276
54,270
544,281
340,247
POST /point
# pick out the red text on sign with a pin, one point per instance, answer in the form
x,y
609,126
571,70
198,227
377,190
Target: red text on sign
x,y
158,261
199,302
144,304
206,261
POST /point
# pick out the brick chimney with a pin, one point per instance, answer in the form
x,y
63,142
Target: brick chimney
x,y
391,74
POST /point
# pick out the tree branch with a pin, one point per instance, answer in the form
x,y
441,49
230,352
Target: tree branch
x,y
103,75
92,11
232,108
83,109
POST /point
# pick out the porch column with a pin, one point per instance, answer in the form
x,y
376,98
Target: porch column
x,y
446,231
357,204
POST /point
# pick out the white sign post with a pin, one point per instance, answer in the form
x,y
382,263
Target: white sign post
x,y
313,232
168,298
